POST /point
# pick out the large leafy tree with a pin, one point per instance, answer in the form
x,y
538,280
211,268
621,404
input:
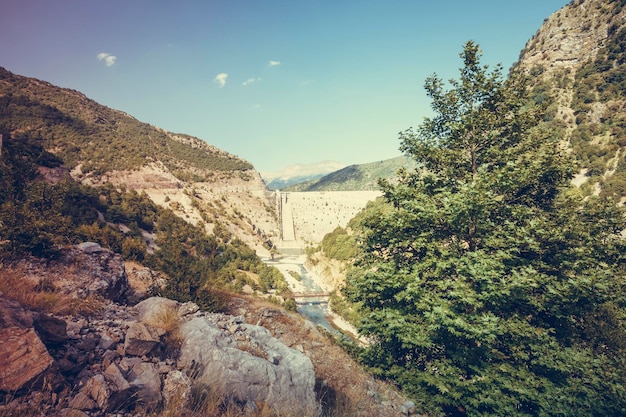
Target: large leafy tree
x,y
488,285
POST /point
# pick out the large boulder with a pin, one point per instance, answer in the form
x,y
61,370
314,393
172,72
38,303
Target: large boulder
x,y
24,360
244,361
152,309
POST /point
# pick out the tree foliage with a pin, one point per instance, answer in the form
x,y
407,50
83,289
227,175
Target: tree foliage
x,y
339,244
487,285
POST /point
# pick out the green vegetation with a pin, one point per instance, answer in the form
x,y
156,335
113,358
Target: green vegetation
x,y
295,275
81,131
600,131
339,245
487,285
39,218
361,177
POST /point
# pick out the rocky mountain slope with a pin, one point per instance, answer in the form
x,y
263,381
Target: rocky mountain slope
x,y
576,62
198,181
75,343
79,333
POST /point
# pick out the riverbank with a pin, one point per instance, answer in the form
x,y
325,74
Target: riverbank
x,y
310,283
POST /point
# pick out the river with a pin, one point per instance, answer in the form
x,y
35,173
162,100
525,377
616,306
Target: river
x,y
314,309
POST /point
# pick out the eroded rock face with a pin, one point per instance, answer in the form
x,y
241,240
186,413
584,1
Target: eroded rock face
x,y
24,360
82,270
245,361
104,275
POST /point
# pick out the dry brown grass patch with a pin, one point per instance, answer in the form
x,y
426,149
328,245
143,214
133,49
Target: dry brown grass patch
x,y
168,320
252,348
16,285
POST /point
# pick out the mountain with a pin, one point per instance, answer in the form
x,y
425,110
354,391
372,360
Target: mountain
x,y
199,182
576,63
298,173
361,177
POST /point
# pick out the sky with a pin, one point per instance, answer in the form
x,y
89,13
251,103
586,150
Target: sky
x,y
276,82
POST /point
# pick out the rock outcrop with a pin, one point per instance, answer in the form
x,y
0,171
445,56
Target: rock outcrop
x,y
24,359
245,361
143,358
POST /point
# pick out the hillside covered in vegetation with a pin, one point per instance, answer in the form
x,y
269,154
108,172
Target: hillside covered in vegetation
x,y
576,64
99,139
37,218
362,177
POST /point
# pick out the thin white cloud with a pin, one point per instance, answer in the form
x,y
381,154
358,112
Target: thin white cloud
x,y
250,81
220,79
108,59
274,63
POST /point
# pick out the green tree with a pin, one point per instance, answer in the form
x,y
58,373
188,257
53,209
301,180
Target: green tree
x,y
487,285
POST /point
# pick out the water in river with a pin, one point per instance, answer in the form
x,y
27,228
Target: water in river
x,y
315,309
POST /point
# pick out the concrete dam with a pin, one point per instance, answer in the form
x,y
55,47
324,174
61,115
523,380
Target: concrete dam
x,y
305,217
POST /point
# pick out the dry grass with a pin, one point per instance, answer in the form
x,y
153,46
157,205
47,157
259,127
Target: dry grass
x,y
42,296
207,402
252,348
168,320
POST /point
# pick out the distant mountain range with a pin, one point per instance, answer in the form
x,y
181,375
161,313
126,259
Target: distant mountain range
x,y
363,177
297,173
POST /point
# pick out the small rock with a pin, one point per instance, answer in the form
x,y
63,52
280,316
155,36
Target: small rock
x,y
51,330
176,390
83,402
68,412
89,247
407,408
187,309
109,357
140,339
106,342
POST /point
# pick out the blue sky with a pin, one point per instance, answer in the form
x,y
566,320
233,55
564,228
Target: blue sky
x,y
275,82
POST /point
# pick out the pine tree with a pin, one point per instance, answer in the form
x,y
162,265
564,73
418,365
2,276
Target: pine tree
x,y
488,285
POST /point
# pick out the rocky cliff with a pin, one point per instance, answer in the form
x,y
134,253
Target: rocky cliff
x,y
575,62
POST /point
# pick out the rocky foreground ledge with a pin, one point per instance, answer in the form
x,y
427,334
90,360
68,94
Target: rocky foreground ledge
x,y
161,357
